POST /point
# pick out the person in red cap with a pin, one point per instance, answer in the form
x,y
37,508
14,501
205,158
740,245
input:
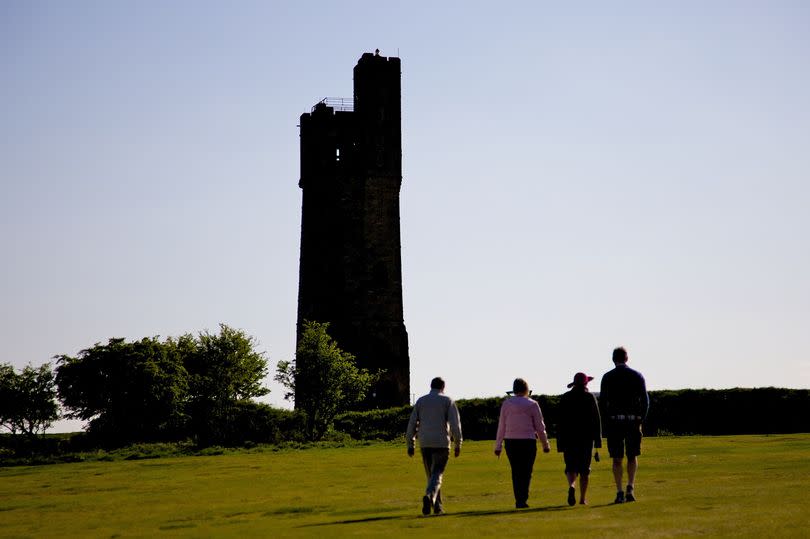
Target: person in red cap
x,y
579,431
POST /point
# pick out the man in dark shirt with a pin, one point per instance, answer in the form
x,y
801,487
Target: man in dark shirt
x,y
624,403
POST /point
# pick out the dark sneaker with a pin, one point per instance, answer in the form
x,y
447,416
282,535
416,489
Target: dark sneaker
x,y
619,497
426,505
438,508
629,495
572,496
521,505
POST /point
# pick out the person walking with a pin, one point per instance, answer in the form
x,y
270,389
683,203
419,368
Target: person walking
x,y
520,425
436,422
579,431
625,403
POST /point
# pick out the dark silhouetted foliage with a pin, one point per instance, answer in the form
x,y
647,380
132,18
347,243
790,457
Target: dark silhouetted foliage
x,y
224,370
129,391
479,417
681,412
152,390
766,410
322,379
27,399
385,424
252,422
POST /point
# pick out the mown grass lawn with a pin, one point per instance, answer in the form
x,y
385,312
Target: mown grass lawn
x,y
687,486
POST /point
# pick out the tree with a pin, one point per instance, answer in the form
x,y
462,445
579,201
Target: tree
x,y
322,379
28,399
127,390
223,370
151,389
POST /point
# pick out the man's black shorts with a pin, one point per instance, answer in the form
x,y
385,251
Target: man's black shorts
x,y
578,459
624,436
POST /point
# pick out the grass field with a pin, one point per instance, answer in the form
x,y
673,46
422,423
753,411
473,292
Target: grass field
x,y
687,486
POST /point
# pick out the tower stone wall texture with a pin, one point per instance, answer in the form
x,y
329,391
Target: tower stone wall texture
x,y
350,266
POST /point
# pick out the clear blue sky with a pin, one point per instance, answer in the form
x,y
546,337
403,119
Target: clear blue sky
x,y
577,176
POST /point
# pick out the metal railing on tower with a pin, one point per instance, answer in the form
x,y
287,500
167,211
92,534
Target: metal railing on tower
x,y
343,104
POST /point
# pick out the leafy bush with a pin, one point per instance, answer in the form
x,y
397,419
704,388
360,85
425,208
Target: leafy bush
x,y
27,400
224,370
322,379
387,424
128,391
152,390
260,424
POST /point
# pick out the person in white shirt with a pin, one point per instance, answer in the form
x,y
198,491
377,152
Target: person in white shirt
x,y
436,422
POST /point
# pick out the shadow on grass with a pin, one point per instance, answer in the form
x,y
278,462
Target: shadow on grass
x,y
477,513
483,513
360,520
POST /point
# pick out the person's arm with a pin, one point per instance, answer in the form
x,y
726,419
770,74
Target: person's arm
x,y
645,399
596,423
540,427
501,429
562,424
454,418
413,427
603,396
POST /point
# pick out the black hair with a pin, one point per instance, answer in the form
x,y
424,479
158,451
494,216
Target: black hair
x,y
437,383
620,355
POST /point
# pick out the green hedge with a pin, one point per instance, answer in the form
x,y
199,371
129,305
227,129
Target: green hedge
x,y
766,410
243,423
680,412
479,419
386,424
259,423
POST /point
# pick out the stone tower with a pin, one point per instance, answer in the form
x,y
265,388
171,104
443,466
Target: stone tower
x,y
350,267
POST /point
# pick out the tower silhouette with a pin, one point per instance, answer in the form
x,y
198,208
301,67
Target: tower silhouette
x,y
350,267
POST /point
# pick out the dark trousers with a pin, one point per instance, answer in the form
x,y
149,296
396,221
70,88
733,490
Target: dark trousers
x,y
521,455
435,461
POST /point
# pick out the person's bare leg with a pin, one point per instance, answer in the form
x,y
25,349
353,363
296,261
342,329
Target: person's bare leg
x,y
632,466
617,474
571,478
572,495
583,487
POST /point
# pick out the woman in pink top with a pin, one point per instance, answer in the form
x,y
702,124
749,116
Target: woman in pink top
x,y
521,424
